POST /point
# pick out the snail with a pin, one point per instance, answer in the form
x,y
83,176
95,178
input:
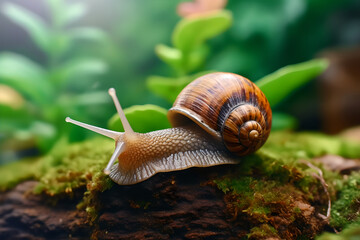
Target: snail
x,y
216,118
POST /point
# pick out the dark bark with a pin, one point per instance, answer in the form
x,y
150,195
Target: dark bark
x,y
27,216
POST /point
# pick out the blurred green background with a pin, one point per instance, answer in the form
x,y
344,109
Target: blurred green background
x,y
84,47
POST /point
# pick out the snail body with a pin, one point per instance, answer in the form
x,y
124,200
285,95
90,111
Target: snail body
x,y
215,119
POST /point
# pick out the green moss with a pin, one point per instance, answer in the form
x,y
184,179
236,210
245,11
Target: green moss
x,y
78,169
275,185
351,232
13,173
346,208
308,145
262,232
77,166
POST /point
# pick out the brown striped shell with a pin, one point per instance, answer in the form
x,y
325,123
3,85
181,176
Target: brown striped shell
x,y
229,107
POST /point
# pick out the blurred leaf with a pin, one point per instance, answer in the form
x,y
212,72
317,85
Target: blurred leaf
x,y
25,76
8,112
15,125
103,42
92,98
236,58
196,58
169,88
59,44
278,85
64,13
43,129
174,57
170,56
30,22
74,12
80,67
142,118
88,33
57,11
282,121
191,32
45,134
13,120
85,99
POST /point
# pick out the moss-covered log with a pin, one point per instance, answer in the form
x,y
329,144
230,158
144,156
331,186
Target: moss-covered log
x,y
273,194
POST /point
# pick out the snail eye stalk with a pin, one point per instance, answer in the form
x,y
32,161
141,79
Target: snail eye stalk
x,y
118,150
124,121
105,132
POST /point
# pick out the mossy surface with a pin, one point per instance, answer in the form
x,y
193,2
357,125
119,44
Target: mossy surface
x,y
351,232
78,169
346,208
277,194
76,166
13,173
67,172
267,190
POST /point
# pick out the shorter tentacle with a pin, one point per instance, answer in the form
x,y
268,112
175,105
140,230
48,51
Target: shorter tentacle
x,y
118,150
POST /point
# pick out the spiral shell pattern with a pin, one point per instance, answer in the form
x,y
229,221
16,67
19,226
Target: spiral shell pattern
x,y
227,106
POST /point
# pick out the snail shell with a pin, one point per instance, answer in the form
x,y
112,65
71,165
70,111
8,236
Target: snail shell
x,y
228,106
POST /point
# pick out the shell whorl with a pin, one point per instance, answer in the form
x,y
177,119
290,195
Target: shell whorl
x,y
229,107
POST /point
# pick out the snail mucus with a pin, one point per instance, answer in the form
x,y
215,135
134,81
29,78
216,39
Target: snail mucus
x,y
216,118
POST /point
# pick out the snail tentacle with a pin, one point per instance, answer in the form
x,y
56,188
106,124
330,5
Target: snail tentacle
x,y
105,132
118,149
124,121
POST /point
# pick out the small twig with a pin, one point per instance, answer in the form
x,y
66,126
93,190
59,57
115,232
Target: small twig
x,y
320,177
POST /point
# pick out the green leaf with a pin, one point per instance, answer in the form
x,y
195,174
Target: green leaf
x,y
191,32
169,88
85,99
88,33
142,118
175,58
74,12
282,121
57,12
43,129
278,85
80,67
13,120
45,134
63,12
170,56
60,43
30,22
25,76
18,124
196,58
